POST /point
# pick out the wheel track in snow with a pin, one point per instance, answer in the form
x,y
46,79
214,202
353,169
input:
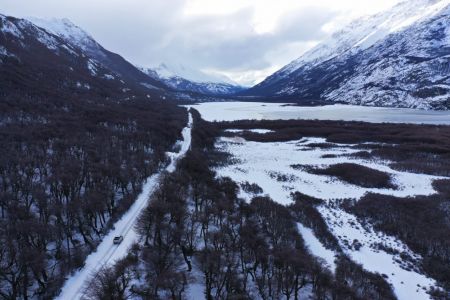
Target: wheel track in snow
x,y
76,284
129,225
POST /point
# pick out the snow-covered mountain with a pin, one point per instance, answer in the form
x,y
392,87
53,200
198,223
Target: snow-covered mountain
x,y
166,70
177,76
70,32
400,58
183,78
62,36
80,39
35,61
58,57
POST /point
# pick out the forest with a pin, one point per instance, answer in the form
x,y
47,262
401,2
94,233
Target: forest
x,y
69,167
196,228
80,164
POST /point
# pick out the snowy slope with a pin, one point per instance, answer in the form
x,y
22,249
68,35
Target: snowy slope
x,y
107,253
34,59
354,65
413,69
363,33
183,78
69,32
167,71
80,39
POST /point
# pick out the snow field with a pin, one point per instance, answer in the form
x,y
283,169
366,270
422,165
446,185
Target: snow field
x,y
316,247
232,111
256,162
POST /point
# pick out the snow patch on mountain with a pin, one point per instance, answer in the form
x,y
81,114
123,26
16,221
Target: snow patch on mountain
x,y
47,40
364,32
397,58
68,31
187,79
8,27
4,52
168,71
92,66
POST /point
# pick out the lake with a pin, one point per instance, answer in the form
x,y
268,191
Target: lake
x,y
230,111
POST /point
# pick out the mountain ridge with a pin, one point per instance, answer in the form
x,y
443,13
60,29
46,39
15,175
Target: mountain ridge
x,y
78,37
185,79
177,78
323,72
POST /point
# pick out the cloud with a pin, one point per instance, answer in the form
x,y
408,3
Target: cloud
x,y
244,39
230,42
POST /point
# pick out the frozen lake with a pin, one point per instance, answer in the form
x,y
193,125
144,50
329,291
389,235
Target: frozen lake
x,y
230,111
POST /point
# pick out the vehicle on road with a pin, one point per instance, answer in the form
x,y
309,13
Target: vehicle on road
x,y
117,240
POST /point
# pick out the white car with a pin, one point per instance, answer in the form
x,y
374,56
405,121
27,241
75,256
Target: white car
x,y
118,239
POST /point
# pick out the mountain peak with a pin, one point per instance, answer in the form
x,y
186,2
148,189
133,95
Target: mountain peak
x,y
366,31
187,79
398,57
67,30
167,71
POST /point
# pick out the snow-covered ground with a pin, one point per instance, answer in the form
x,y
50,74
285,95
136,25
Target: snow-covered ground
x,y
258,162
231,111
196,287
316,247
107,253
263,131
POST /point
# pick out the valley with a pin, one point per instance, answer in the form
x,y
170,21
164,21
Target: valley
x,y
257,213
195,162
278,158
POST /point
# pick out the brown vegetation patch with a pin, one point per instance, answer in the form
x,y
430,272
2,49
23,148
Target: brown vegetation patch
x,y
410,147
357,175
421,222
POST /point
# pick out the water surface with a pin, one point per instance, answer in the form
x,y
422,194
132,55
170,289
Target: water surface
x,y
230,111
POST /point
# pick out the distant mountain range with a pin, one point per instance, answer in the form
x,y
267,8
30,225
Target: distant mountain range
x,y
397,58
182,78
61,50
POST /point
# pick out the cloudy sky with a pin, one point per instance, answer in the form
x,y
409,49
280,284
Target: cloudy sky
x,y
246,40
